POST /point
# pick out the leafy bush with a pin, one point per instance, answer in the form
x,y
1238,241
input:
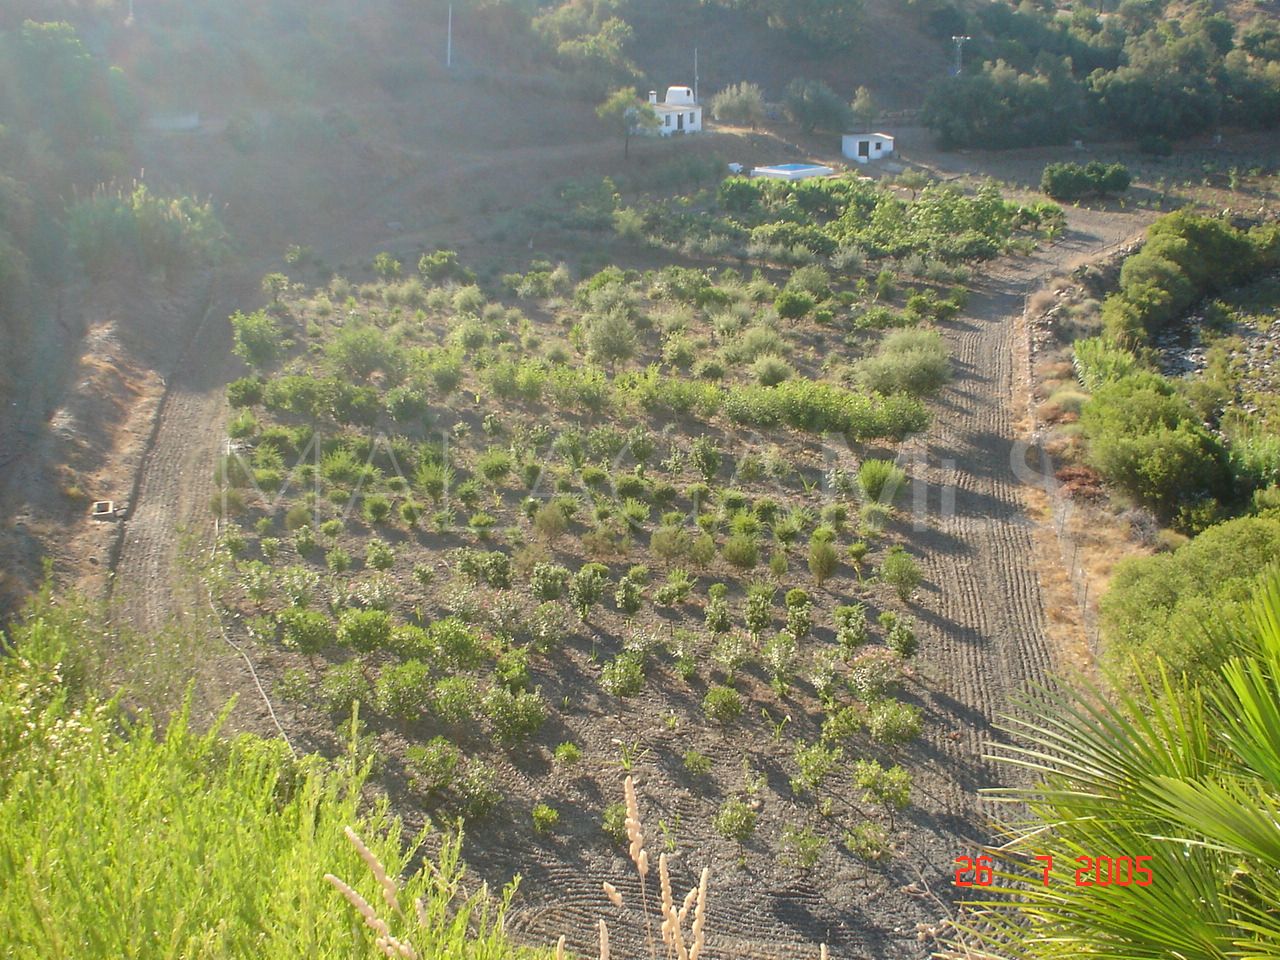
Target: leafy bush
x,y
890,787
881,480
456,700
739,103
514,716
821,408
567,754
434,765
1148,442
914,362
823,560
258,339
544,817
78,791
770,370
813,105
613,821
698,764
548,581
851,627
793,304
1099,361
901,572
868,842
722,704
735,820
403,690
379,555
1074,181
815,763
742,550
893,723
1150,598
875,673
307,631
800,847
341,686
623,676
586,588
364,630
486,566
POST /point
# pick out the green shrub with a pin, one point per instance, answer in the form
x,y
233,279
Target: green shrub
x,y
341,686
815,763
477,790
403,690
492,567
851,627
735,820
742,104
79,792
1148,442
586,588
379,555
545,818
258,339
548,581
890,787
722,704
800,847
513,716
623,676
1149,598
307,631
1074,181
892,723
434,765
868,842
901,639
821,407
1098,361
456,700
364,630
881,480
914,362
793,304
613,821
901,572
742,551
823,561
698,764
770,370
567,754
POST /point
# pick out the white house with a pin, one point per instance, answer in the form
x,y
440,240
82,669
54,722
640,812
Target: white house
x,y
678,113
865,147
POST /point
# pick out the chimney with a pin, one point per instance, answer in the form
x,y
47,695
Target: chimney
x,y
653,97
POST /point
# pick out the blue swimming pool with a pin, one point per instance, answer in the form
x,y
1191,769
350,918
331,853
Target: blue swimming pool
x,y
792,171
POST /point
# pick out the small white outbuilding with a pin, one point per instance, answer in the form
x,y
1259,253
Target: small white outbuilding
x,y
678,113
865,147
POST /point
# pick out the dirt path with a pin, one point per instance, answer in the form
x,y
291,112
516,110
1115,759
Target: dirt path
x,y
983,604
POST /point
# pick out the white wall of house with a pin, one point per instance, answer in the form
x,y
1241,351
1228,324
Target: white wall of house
x,y
678,113
865,147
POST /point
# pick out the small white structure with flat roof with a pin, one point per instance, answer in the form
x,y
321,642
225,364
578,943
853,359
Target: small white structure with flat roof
x,y
678,113
865,147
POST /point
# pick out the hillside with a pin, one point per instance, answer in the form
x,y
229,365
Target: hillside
x,y
485,457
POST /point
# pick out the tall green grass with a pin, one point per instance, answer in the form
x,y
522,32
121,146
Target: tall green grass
x,y
122,840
